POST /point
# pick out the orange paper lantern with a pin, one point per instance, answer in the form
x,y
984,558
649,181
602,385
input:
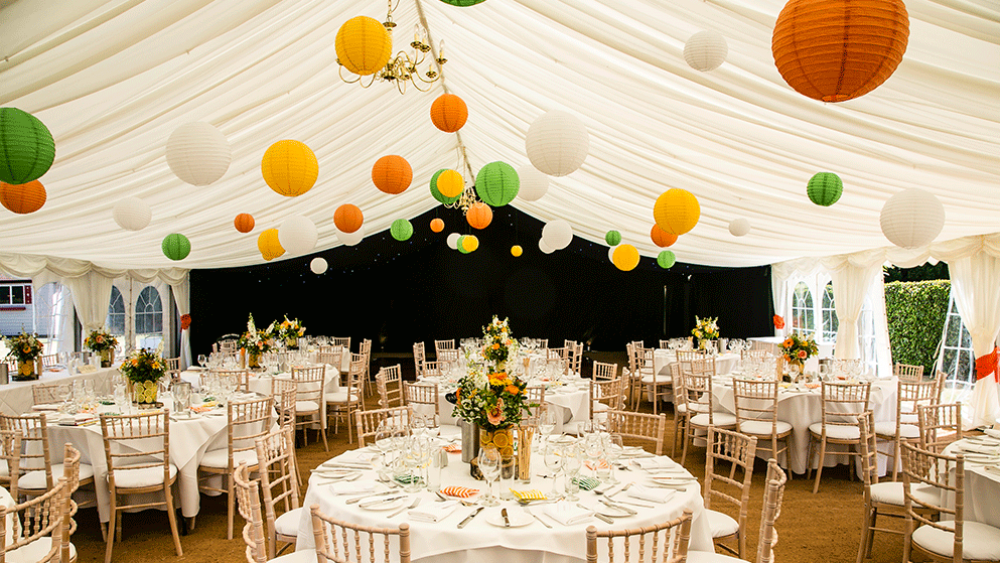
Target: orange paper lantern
x,y
23,198
662,238
392,174
244,222
348,218
676,211
449,112
437,225
479,216
269,245
837,50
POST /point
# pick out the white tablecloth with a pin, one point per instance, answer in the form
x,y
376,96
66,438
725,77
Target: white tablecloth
x,y
982,489
444,542
663,359
16,396
261,384
571,398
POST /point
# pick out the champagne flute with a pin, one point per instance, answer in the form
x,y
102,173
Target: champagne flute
x,y
489,466
613,449
547,424
571,468
554,462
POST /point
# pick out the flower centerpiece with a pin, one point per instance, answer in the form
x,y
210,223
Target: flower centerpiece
x,y
102,342
705,330
796,349
143,369
290,331
256,342
27,349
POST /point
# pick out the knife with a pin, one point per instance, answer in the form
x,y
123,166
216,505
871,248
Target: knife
x,y
381,501
362,497
598,515
506,521
535,516
470,517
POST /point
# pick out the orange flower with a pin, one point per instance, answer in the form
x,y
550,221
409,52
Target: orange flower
x,y
496,346
512,389
803,355
779,322
787,343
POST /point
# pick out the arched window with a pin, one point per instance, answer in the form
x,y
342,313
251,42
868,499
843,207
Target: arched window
x,y
958,359
829,312
116,313
148,312
802,309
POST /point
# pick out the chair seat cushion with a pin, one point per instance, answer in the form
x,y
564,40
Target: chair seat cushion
x,y
145,477
35,480
36,551
339,397
888,429
648,379
979,541
304,556
722,525
219,459
600,407
303,407
763,427
836,432
288,523
718,418
709,557
891,492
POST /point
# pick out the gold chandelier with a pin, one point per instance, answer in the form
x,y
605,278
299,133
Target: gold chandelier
x,y
405,68
468,198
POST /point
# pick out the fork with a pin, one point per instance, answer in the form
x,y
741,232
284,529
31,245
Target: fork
x,y
413,505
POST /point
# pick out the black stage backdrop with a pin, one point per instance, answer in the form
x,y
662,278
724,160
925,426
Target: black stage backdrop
x,y
398,293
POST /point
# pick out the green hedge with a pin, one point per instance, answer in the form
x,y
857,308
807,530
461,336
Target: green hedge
x,y
916,313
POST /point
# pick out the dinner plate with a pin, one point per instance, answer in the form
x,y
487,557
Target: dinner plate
x,y
672,481
517,519
336,473
48,407
382,506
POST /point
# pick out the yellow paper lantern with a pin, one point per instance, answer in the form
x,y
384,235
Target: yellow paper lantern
x,y
289,168
516,251
625,257
269,246
450,183
363,45
676,211
470,243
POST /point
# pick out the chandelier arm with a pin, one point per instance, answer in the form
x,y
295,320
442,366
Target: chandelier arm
x,y
430,40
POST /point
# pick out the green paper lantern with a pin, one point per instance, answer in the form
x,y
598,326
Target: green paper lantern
x,y
666,259
460,244
463,3
401,230
437,194
825,188
26,147
497,184
613,238
176,246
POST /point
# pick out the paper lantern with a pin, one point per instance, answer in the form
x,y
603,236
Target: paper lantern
x,y
401,230
348,218
289,168
824,188
450,186
676,211
351,239
660,237
497,184
363,45
26,147
437,225
460,245
198,153
557,234
666,259
244,222
449,112
546,249
611,254
470,243
479,215
132,214
452,240
837,50
516,251
463,3
706,50
739,227
176,246
392,174
557,143
318,265
23,198
269,245
298,235
613,238
913,218
534,184
626,257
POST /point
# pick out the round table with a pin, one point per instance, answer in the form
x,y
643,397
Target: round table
x,y
571,396
982,479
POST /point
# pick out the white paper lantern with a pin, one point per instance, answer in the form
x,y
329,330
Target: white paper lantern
x,y
706,50
544,247
198,153
297,235
318,265
913,218
557,234
739,227
557,143
132,214
534,184
453,241
350,239
611,254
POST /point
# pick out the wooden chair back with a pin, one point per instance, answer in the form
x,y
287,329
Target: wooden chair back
x,y
756,401
422,398
419,356
310,382
924,468
331,355
869,453
48,394
173,366
693,389
278,473
389,381
285,394
604,371
733,488
574,358
666,542
248,421
134,442
534,395
939,425
610,393
443,345
10,455
774,491
248,502
906,372
71,473
49,361
348,542
240,377
664,344
639,426
368,422
35,454
40,517
344,342
843,403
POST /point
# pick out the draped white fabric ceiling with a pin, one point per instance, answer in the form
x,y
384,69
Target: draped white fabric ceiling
x,y
113,79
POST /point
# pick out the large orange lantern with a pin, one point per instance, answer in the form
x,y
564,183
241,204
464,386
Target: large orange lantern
x,y
269,246
363,45
289,168
676,211
837,50
479,215
392,174
662,238
449,112
348,218
22,198
437,225
244,222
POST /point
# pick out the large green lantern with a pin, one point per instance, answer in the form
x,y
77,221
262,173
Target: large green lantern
x,y
176,246
401,230
26,147
825,188
666,259
497,184
437,193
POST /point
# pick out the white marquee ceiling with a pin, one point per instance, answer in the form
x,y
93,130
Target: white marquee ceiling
x,y
113,79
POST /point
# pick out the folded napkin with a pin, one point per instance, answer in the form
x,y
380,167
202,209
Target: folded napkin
x,y
353,487
586,483
433,512
979,448
357,456
992,432
648,463
568,514
645,493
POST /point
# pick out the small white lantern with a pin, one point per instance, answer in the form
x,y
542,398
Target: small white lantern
x,y
132,214
534,184
739,227
913,218
557,234
544,247
557,143
706,50
318,265
611,254
297,235
453,241
350,239
198,153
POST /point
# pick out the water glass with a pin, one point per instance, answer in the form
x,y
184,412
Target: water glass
x,y
572,462
489,465
613,449
553,462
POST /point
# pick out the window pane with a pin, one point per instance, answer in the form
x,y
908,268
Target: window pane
x,y
116,313
5,295
17,295
148,312
802,309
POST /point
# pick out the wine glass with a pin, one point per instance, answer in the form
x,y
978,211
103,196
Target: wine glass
x,y
489,466
547,424
594,449
613,449
554,462
572,463
182,397
202,360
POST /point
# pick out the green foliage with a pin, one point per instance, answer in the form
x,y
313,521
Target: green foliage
x,y
916,313
923,272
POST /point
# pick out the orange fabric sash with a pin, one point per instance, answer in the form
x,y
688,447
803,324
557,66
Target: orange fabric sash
x,y
988,365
